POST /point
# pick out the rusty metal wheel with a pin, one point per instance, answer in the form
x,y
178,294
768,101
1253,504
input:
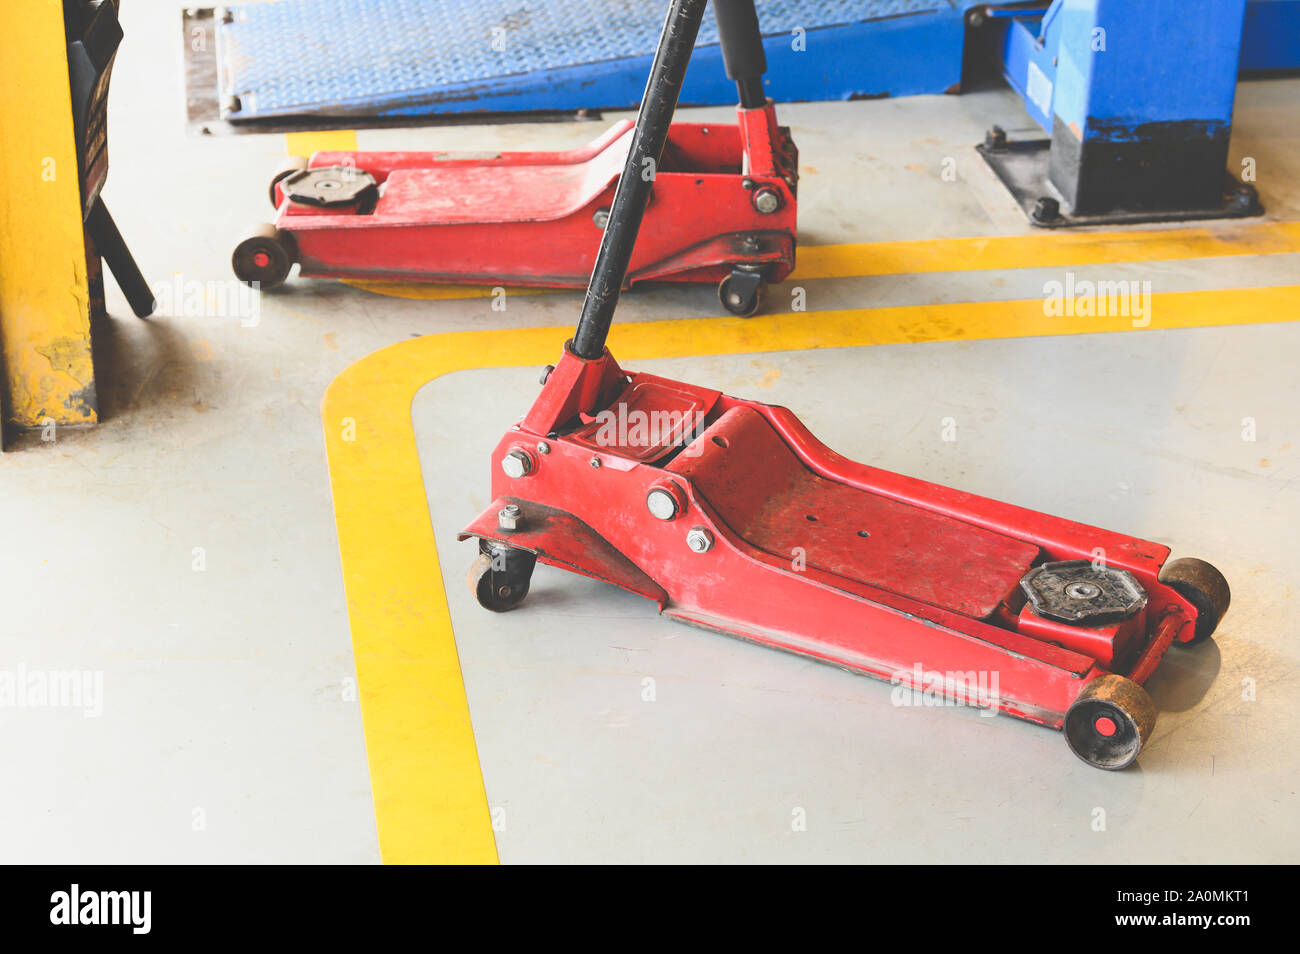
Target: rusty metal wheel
x,y
1110,722
500,575
743,292
1206,589
263,259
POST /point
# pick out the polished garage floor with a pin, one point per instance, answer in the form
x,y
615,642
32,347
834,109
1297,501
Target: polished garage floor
x,y
187,548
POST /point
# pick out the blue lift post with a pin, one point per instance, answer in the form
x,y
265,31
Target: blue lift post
x,y
1137,99
1271,39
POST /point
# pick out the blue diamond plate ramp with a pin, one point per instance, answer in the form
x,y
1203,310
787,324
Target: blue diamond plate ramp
x,y
376,58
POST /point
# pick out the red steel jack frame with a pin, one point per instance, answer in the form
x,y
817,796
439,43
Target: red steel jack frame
x,y
722,210
733,517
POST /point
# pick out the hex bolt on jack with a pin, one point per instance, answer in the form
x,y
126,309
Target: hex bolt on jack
x,y
510,518
517,464
699,540
899,575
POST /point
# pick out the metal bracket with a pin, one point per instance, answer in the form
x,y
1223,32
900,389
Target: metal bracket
x,y
1023,166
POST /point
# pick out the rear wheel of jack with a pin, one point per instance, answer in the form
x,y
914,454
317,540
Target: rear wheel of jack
x,y
1205,588
500,575
1110,722
264,257
286,169
742,293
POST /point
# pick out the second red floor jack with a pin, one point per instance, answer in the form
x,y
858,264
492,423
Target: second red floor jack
x,y
707,513
722,210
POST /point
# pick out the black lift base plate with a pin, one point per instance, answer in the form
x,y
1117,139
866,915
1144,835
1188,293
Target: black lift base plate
x,y
1022,166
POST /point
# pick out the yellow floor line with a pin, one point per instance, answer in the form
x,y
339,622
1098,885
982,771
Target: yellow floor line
x,y
1033,250
1046,249
425,291
329,140
429,797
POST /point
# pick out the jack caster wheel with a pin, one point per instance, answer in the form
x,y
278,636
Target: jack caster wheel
x,y
500,574
1205,588
285,170
1110,722
742,292
264,257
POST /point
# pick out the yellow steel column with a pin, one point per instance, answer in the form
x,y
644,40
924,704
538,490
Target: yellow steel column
x,y
44,296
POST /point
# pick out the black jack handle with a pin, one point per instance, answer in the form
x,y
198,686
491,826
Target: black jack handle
x,y
633,191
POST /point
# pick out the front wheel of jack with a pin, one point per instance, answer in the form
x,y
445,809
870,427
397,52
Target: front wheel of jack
x,y
742,292
500,574
264,257
1110,722
1205,588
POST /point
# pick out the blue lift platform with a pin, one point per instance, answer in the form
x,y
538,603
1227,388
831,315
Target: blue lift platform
x,y
377,59
402,58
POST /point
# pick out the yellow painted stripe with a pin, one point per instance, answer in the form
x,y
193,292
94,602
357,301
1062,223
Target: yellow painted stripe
x,y
1035,250
424,291
1046,249
327,140
430,802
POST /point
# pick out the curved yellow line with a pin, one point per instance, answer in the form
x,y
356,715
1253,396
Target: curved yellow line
x,y
430,802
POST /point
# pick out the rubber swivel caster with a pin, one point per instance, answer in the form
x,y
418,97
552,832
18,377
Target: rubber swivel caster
x,y
1109,722
742,292
264,257
500,574
1205,588
285,170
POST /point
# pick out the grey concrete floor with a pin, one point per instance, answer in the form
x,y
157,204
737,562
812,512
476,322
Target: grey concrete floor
x,y
228,730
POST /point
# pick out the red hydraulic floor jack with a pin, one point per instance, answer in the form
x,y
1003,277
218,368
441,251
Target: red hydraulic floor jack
x,y
732,516
722,210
